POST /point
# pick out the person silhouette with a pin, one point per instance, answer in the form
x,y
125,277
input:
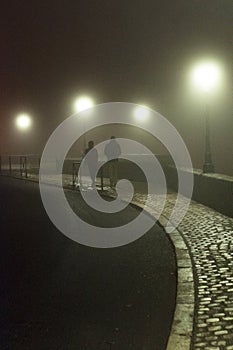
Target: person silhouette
x,y
112,150
91,161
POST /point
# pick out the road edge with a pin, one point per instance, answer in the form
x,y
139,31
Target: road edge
x,y
182,326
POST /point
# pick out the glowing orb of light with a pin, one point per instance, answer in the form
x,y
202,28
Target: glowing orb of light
x,y
23,121
141,113
82,103
206,76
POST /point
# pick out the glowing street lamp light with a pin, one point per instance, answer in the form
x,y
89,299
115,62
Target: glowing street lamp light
x,y
23,121
206,76
141,113
82,103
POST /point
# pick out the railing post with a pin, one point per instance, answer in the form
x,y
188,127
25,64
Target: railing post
x,y
10,165
102,178
73,174
26,170
20,166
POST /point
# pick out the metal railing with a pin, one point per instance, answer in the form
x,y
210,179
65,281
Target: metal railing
x,y
26,166
19,164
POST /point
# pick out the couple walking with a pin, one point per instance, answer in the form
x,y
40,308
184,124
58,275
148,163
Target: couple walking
x,y
112,150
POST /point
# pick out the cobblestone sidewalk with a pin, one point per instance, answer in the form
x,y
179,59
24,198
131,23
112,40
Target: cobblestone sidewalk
x,y
208,236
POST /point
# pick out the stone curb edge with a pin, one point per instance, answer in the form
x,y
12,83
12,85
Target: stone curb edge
x,y
182,326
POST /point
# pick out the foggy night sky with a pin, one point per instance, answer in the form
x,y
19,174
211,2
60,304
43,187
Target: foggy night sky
x,y
129,51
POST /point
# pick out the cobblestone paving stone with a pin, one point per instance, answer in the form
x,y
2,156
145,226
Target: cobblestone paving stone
x,y
208,235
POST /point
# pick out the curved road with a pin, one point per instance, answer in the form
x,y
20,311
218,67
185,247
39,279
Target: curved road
x,y
56,294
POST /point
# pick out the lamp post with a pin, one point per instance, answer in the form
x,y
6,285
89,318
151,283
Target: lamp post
x,y
206,76
208,166
80,104
23,123
141,114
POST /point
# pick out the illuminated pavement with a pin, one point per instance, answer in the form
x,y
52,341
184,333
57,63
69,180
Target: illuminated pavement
x,y
204,249
56,294
204,306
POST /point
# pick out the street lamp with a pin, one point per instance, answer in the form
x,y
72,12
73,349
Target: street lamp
x,y
82,103
141,113
23,121
206,76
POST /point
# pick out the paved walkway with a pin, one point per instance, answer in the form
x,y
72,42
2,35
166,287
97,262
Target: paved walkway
x,y
207,235
204,248
56,294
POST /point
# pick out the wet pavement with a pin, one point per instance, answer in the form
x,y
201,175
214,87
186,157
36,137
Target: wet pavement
x,y
203,316
57,294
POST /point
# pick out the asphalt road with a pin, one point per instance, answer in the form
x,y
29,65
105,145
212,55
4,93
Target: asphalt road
x,y
56,294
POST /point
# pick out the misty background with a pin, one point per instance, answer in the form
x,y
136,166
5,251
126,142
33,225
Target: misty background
x,y
127,51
